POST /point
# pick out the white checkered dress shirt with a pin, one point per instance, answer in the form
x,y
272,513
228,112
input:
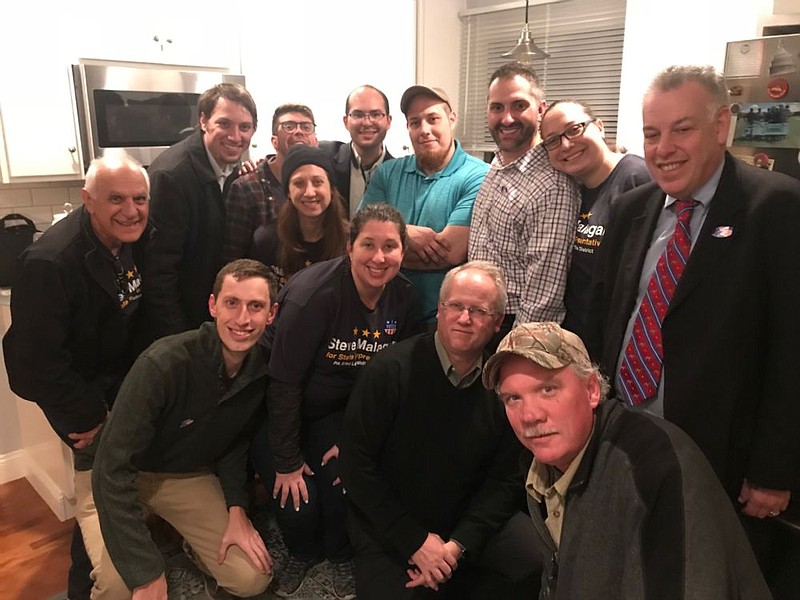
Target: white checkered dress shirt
x,y
524,220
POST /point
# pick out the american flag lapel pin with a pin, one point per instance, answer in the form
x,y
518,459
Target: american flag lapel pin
x,y
723,231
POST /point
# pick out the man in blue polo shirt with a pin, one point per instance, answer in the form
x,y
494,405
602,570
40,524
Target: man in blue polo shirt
x,y
434,189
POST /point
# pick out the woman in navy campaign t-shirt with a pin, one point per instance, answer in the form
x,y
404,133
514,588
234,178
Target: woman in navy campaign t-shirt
x,y
334,316
574,139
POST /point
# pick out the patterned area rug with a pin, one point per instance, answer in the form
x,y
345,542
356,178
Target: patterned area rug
x,y
186,582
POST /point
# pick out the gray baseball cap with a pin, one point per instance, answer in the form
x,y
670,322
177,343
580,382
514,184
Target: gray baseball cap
x,y
422,90
546,344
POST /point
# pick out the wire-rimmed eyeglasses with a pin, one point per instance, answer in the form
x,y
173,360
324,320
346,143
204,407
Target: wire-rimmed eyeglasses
x,y
456,309
373,115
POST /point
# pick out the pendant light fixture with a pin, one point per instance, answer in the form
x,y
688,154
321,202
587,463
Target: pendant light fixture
x,y
526,49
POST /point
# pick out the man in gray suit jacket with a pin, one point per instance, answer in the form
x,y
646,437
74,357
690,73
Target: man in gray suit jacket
x,y
723,358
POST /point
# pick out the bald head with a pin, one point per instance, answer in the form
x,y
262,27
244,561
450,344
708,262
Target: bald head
x,y
116,195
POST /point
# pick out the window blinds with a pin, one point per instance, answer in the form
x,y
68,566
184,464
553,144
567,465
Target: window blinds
x,y
584,39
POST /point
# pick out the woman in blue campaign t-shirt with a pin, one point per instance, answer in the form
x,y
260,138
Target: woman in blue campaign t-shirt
x,y
333,317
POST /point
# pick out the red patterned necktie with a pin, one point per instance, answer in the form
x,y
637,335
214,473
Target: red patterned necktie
x,y
640,371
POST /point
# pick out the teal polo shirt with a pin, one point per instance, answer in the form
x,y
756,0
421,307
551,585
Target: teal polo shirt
x,y
435,201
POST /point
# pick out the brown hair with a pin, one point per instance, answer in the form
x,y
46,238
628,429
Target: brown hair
x,y
586,108
380,211
517,69
245,268
290,238
230,91
290,108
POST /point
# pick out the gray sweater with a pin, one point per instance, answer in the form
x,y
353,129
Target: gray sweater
x,y
646,518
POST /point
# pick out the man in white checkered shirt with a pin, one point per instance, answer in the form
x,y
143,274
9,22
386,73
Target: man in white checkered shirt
x,y
525,215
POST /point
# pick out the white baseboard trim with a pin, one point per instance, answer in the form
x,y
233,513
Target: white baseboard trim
x,y
12,466
49,491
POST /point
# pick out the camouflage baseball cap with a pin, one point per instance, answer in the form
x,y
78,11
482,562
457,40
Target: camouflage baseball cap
x,y
546,344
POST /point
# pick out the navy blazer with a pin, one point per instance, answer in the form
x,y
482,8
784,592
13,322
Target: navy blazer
x,y
730,335
341,154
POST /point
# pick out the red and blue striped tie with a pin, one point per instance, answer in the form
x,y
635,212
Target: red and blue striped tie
x,y
640,371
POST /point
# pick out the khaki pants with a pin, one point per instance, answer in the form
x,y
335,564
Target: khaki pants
x,y
195,506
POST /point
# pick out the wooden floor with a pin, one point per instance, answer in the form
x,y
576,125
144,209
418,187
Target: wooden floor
x,y
34,545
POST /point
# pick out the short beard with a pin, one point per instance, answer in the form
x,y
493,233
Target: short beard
x,y
523,139
433,160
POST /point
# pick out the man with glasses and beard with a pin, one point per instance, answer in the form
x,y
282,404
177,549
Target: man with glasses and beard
x,y
525,213
433,189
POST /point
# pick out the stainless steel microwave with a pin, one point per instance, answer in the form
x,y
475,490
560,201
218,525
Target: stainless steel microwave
x,y
141,108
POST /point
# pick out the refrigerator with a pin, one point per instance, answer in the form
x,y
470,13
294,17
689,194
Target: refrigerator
x,y
763,77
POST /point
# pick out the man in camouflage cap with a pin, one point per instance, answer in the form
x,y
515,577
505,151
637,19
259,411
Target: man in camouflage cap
x,y
648,518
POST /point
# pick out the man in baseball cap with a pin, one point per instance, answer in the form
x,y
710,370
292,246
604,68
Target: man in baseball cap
x,y
433,189
422,90
644,504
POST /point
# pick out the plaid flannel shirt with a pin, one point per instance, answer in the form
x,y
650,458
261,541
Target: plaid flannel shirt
x,y
253,200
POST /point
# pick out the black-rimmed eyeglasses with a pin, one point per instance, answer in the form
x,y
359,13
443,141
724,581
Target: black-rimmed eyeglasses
x,y
291,126
573,131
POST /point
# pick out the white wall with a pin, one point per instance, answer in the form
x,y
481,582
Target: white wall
x,y
660,34
315,51
787,7
439,45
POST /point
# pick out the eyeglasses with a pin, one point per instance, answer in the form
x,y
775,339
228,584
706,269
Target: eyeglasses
x,y
290,126
360,115
456,309
572,132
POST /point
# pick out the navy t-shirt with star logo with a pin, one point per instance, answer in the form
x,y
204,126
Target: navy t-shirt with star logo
x,y
324,334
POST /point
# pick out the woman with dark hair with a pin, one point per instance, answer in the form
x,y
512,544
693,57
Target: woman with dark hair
x,y
311,226
334,316
575,142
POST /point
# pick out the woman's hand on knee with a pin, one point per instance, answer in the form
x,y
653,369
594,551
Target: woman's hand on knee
x,y
292,484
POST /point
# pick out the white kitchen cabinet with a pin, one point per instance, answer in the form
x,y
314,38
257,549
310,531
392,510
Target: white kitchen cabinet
x,y
176,33
40,139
